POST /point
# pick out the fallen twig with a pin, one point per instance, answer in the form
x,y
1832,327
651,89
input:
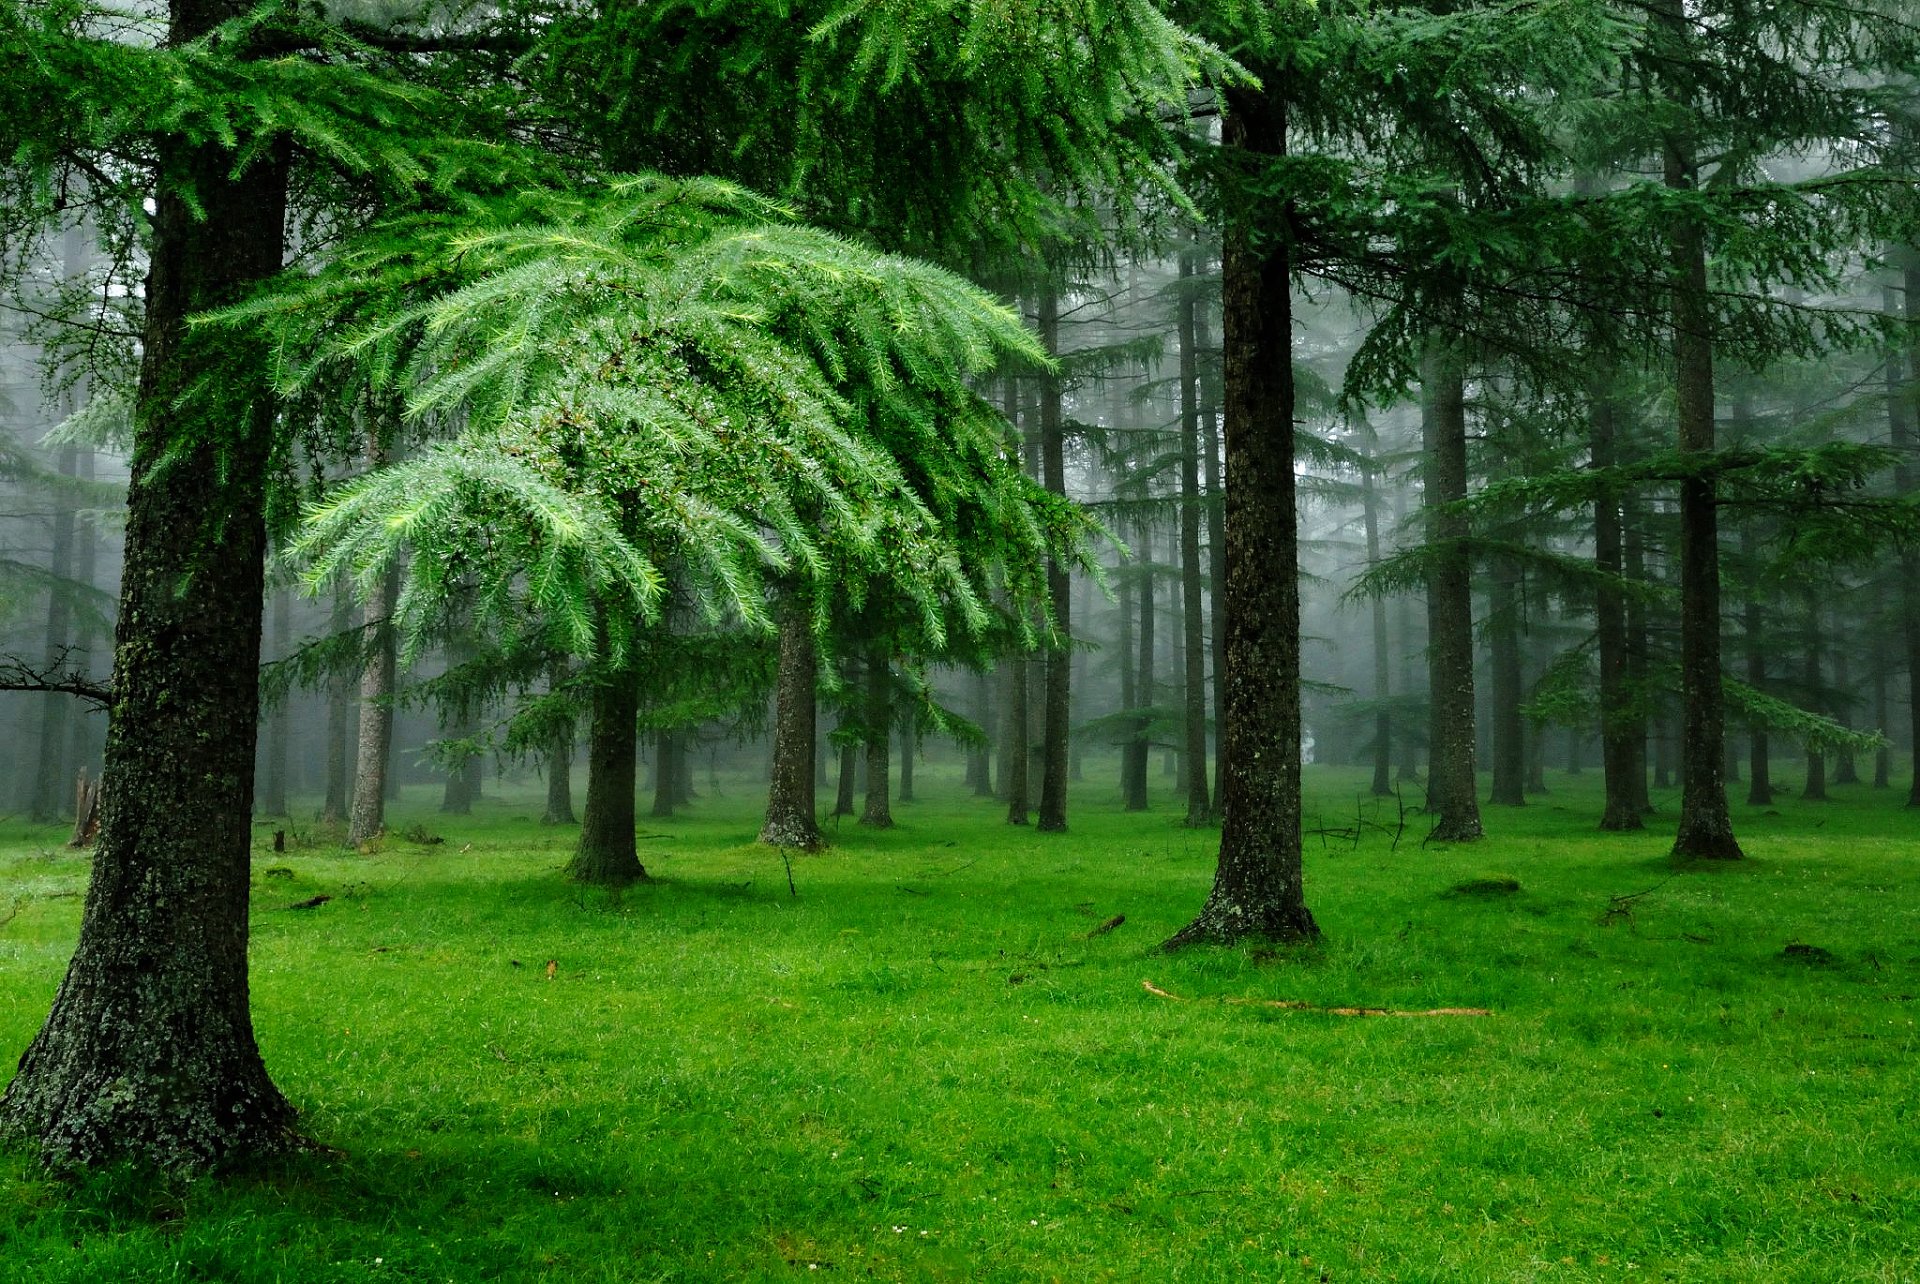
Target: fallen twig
x,y
1107,926
1296,1005
314,902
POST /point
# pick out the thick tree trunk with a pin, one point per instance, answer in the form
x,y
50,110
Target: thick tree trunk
x,y
1382,659
879,724
1194,640
1057,713
607,854
791,819
273,789
373,760
148,1053
1258,886
1509,731
1706,826
559,757
1451,790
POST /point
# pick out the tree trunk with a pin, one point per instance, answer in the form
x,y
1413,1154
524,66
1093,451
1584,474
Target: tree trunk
x,y
1194,648
53,779
1139,751
1903,377
791,819
1846,771
879,724
1816,786
1883,756
843,787
666,773
373,761
1706,827
148,1053
1503,629
1216,538
1057,715
273,790
1451,791
1759,768
979,761
1633,554
606,854
339,750
559,756
909,750
1382,659
83,745
1622,732
1258,887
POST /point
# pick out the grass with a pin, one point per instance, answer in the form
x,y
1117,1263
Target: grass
x,y
923,1067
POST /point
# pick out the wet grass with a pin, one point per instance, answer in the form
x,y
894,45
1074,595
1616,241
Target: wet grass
x,y
928,1065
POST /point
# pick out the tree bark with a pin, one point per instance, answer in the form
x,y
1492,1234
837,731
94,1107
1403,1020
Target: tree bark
x,y
1382,658
1503,629
273,790
374,759
879,725
1633,555
53,780
1258,886
1451,789
148,1053
1139,750
334,809
1903,377
1056,721
1759,766
1194,648
1216,537
607,854
1621,728
1883,756
666,773
1706,826
1815,789
791,818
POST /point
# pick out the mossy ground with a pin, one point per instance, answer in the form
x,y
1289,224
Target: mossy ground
x,y
922,1067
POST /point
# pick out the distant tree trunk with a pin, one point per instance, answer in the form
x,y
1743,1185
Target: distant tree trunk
x,y
1509,730
148,1054
1706,826
607,854
1216,539
1382,660
1258,888
879,723
456,795
1845,771
979,762
1194,640
339,746
909,750
1903,377
1139,749
791,819
371,764
666,773
273,790
559,756
1576,750
1128,660
1759,768
1451,791
1407,768
1634,563
1622,731
1663,753
53,780
1056,725
1816,786
1883,756
1016,755
83,745
843,787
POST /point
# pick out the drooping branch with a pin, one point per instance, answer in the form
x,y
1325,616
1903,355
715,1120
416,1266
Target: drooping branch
x,y
57,675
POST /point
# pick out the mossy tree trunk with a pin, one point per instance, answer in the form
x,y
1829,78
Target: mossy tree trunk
x,y
606,854
791,817
1057,710
1258,890
148,1053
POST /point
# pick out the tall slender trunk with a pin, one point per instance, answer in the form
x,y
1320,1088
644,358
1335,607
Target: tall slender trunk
x,y
273,789
1129,678
909,751
1633,561
879,724
979,760
1816,786
148,1053
607,854
1139,752
1883,756
1759,768
1706,826
373,760
1055,747
1407,768
1258,886
1194,640
843,785
1451,789
559,755
1663,752
1621,728
791,820
53,783
1845,771
1503,629
1216,537
666,774
1016,758
339,713
84,743
1382,660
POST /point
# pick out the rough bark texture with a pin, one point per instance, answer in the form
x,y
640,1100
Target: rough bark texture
x,y
373,759
1192,608
148,1053
1451,790
1706,826
1258,890
791,819
879,723
1509,731
606,854
1056,716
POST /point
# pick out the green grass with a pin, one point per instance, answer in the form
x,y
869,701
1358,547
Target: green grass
x,y
923,1068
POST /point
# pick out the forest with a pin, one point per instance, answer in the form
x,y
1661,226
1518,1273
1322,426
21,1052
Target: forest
x,y
959,639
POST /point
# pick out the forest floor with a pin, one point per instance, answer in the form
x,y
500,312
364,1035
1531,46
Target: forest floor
x,y
928,1065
